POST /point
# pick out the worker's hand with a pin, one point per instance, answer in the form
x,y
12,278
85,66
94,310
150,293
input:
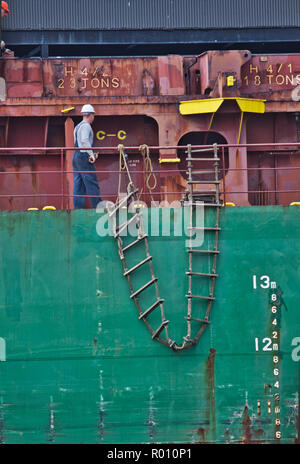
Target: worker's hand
x,y
7,52
2,45
93,157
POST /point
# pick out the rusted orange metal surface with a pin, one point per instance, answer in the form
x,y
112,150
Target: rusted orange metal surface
x,y
110,77
137,102
274,76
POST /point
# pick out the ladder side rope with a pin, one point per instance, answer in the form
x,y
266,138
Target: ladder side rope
x,y
122,167
133,196
145,151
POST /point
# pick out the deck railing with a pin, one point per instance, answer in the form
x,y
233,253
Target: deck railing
x,y
229,171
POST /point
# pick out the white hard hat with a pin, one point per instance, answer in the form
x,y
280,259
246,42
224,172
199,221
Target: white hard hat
x,y
87,109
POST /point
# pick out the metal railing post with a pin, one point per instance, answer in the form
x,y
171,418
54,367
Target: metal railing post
x,y
298,418
224,172
62,178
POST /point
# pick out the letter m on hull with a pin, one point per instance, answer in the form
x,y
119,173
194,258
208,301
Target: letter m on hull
x,y
2,350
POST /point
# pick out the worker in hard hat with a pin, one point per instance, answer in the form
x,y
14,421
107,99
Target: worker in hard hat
x,y
4,9
83,160
4,12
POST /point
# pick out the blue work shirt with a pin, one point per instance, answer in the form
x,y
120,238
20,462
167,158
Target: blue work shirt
x,y
84,135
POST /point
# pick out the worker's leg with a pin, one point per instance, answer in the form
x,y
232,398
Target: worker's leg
x,y
90,179
92,187
78,184
78,189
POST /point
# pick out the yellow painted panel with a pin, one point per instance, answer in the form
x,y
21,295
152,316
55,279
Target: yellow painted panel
x,y
251,105
169,160
247,105
200,106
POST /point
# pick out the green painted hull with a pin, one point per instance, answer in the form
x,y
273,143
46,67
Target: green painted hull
x,y
79,367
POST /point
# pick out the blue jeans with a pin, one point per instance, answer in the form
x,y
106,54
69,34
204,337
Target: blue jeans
x,y
84,181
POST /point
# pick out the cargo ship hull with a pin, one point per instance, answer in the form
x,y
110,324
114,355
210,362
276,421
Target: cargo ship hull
x,y
78,366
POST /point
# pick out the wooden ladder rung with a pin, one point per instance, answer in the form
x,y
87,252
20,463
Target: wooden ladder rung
x,y
123,202
202,204
201,297
160,329
203,182
202,159
149,310
134,243
137,266
204,321
204,274
205,228
125,225
201,150
203,172
202,192
213,252
140,290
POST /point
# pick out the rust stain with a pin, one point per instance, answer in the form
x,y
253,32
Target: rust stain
x,y
100,424
211,390
211,372
250,435
2,424
258,434
210,400
148,83
201,433
227,435
34,178
246,422
267,388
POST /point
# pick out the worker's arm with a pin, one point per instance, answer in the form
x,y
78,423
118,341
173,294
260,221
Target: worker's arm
x,y
84,139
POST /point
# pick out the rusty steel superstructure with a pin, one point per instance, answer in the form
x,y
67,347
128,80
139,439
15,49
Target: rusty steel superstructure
x,y
235,98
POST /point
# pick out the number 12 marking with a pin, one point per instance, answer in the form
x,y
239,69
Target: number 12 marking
x,y
266,347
